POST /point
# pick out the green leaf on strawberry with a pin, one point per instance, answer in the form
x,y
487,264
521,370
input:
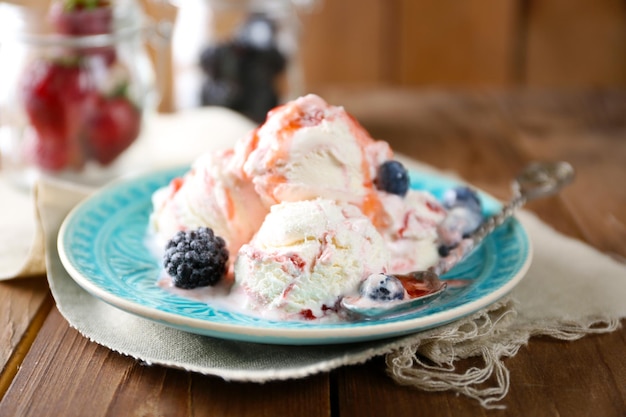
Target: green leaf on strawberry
x,y
82,17
70,5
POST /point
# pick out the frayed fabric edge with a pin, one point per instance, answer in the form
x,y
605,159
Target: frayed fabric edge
x,y
430,364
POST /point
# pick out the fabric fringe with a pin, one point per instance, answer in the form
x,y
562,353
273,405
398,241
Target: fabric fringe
x,y
571,330
492,335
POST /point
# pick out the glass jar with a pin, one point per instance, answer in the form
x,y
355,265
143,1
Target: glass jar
x,y
74,87
240,54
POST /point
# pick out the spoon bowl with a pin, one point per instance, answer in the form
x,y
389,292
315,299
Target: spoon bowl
x,y
422,287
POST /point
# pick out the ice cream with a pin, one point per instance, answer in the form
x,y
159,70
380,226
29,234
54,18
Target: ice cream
x,y
209,195
411,229
309,206
308,149
306,256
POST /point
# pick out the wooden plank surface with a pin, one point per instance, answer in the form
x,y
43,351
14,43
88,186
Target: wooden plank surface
x,y
486,138
24,305
594,142
588,383
66,375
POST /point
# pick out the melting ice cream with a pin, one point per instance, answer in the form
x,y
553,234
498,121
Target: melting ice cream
x,y
297,203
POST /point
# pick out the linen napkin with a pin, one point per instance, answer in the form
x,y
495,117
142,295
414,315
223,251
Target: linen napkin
x,y
21,237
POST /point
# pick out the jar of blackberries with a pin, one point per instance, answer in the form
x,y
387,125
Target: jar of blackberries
x,y
247,55
75,84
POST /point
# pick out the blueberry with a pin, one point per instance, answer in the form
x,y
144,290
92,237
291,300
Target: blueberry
x,y
195,258
381,287
464,216
444,250
462,196
393,178
464,212
460,221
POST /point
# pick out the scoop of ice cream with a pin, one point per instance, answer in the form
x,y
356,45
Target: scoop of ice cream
x,y
308,149
306,256
209,195
411,230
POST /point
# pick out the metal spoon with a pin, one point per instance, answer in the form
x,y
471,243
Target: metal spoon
x,y
537,180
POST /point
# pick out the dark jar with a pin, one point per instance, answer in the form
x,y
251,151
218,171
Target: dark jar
x,y
246,55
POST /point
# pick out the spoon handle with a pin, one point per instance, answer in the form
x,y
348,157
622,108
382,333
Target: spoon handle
x,y
491,223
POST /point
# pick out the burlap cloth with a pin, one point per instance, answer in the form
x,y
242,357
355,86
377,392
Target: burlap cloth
x,y
569,291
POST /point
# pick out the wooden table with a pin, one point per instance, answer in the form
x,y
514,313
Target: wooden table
x,y
48,369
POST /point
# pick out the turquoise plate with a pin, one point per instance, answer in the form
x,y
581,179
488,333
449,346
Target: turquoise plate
x,y
102,245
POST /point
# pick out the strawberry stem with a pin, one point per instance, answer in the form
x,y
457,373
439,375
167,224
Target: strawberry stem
x,y
72,5
121,91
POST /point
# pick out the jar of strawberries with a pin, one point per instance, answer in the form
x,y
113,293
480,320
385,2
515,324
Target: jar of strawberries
x,y
74,86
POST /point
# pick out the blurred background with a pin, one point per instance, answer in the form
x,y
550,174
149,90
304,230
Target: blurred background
x,y
469,44
442,44
458,45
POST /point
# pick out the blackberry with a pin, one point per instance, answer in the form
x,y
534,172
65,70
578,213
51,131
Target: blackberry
x,y
222,61
209,61
260,67
195,258
393,178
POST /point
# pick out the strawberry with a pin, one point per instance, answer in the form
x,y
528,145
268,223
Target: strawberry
x,y
52,156
82,17
55,95
42,101
112,127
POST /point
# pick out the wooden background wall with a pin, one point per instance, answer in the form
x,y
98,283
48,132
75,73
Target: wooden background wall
x,y
466,44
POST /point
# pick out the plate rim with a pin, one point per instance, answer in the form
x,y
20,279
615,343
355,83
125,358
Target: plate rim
x,y
316,334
